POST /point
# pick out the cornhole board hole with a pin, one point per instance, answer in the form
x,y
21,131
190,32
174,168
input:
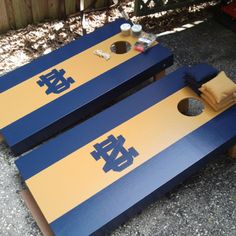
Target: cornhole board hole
x,y
94,176
57,90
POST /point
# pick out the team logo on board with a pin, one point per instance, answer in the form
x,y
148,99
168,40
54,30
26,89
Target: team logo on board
x,y
116,156
55,81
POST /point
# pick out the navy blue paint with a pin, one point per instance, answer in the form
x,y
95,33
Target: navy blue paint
x,y
45,122
198,75
49,153
43,63
202,71
119,159
166,169
114,204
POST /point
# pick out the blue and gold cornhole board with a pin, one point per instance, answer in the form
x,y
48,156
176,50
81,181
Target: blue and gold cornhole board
x,y
94,176
55,91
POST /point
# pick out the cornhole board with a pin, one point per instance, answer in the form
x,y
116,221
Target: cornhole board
x,y
94,176
55,91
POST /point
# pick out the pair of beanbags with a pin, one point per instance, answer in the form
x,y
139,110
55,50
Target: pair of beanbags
x,y
215,88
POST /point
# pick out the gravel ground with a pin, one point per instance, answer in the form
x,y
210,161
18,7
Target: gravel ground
x,y
204,205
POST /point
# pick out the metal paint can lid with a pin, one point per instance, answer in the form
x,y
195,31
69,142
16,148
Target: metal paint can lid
x,y
136,30
125,28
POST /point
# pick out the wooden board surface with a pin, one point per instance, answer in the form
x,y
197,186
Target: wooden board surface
x,y
40,109
53,8
76,67
161,126
168,147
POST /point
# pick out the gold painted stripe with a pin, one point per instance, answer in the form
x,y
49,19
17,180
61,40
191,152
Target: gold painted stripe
x,y
28,96
72,180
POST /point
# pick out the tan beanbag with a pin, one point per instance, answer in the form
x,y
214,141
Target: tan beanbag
x,y
219,88
219,106
212,98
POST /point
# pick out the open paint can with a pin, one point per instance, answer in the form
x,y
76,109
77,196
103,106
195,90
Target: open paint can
x,y
136,30
125,29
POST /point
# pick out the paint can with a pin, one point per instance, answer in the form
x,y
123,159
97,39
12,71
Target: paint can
x,y
136,30
125,29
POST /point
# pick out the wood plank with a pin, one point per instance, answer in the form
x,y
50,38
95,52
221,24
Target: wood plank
x,y
70,7
101,3
84,4
232,152
159,75
1,138
36,213
78,4
165,158
53,9
10,14
22,12
4,23
39,10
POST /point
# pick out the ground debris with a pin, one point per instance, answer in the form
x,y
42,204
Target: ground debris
x,y
18,47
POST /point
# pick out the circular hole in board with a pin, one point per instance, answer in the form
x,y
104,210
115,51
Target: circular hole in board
x,y
190,107
120,47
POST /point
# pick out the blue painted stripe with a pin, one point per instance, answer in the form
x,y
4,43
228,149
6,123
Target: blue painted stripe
x,y
167,166
58,148
156,59
35,67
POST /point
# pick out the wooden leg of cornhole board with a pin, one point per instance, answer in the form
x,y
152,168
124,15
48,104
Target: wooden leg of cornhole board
x,y
232,152
1,139
159,75
36,213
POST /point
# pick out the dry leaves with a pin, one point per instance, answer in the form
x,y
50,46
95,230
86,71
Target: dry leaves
x,y
21,46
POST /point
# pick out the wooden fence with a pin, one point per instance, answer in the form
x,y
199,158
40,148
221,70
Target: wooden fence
x,y
15,14
146,7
